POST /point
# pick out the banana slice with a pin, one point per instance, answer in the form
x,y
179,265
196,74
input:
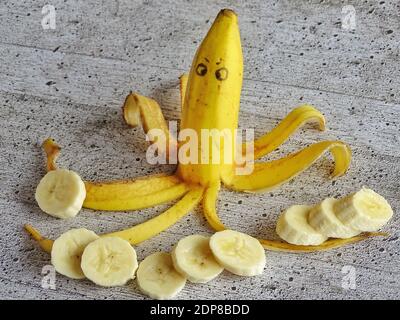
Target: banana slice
x,y
192,257
67,251
61,193
238,253
293,227
157,277
323,219
364,210
109,262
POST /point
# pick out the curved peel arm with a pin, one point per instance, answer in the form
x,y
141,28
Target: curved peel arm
x,y
267,175
152,227
139,109
52,150
289,125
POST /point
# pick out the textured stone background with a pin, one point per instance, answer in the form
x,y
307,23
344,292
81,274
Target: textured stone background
x,y
69,83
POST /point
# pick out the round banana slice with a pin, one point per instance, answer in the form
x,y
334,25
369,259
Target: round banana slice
x,y
192,257
61,193
157,277
67,251
323,219
109,262
238,253
364,210
293,227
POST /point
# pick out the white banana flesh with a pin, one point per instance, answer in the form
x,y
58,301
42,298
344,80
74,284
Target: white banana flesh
x,y
109,262
323,219
364,210
61,193
192,257
67,251
293,227
157,277
238,253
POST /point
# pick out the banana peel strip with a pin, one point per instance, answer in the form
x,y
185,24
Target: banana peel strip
x,y
145,230
139,109
267,175
52,150
288,126
152,227
123,195
121,201
210,212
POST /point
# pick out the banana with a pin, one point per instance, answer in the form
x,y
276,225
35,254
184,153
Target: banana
x,y
293,227
238,253
109,262
192,257
61,193
364,210
212,97
323,219
157,277
67,250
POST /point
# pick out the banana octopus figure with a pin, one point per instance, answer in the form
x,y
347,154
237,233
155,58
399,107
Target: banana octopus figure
x,y
210,98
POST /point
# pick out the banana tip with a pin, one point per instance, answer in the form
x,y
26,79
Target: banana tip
x,y
228,13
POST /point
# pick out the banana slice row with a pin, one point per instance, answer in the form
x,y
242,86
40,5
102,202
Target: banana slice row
x,y
112,261
362,211
199,259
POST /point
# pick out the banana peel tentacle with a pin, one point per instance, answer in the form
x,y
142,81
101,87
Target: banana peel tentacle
x,y
327,245
145,230
268,175
44,243
288,126
210,212
152,227
209,207
122,198
52,150
138,109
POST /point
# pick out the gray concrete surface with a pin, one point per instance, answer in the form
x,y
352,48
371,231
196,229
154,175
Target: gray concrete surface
x,y
69,83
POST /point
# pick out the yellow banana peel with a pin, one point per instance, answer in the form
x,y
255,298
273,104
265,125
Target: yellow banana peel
x,y
210,99
139,109
293,121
